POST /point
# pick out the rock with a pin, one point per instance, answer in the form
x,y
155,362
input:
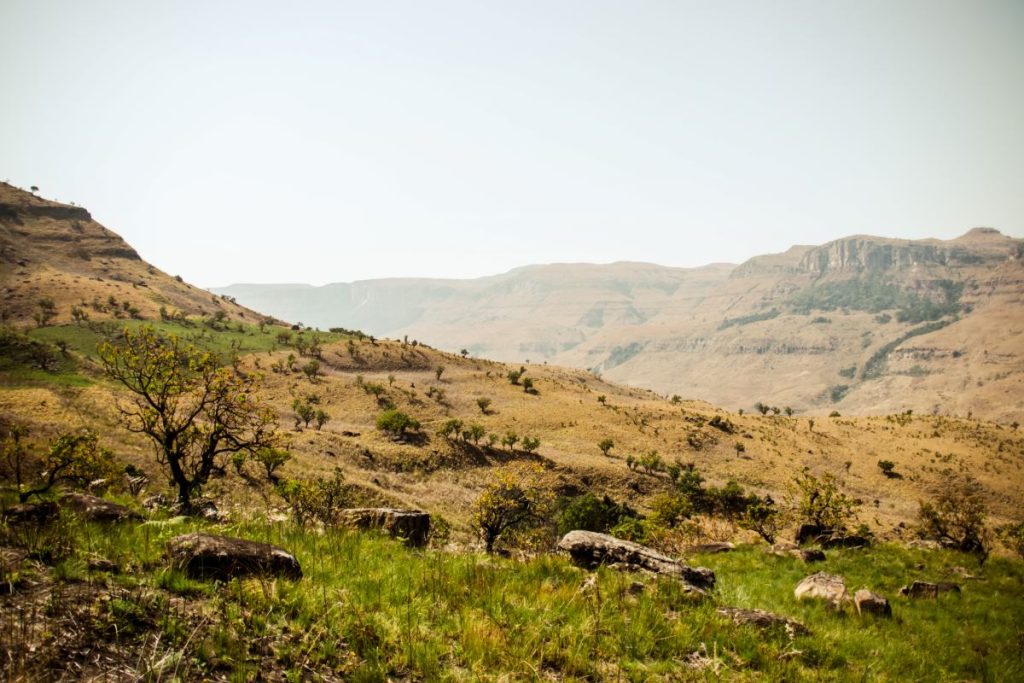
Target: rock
x,y
807,555
924,589
710,548
590,549
823,587
808,532
872,603
411,525
963,573
763,619
842,541
208,510
24,513
207,556
101,564
924,544
635,588
96,509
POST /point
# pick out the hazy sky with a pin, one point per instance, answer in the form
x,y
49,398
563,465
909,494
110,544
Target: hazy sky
x,y
333,141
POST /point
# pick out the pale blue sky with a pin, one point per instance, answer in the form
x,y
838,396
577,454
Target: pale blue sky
x,y
333,141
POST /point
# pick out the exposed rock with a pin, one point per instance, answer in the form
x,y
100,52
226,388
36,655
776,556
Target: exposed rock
x,y
37,513
590,549
809,555
635,588
964,574
101,564
411,525
822,586
808,532
209,511
220,557
924,589
842,541
763,619
96,509
872,603
710,548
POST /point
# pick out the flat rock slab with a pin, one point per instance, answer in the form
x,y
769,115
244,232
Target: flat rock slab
x,y
96,509
822,586
206,556
590,549
843,541
762,619
413,526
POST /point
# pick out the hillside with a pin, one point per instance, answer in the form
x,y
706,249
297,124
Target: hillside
x,y
58,252
102,598
864,325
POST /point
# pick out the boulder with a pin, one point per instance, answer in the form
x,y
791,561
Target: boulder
x,y
762,619
808,532
872,603
206,556
822,586
842,541
411,525
590,549
924,589
34,513
96,509
710,548
809,555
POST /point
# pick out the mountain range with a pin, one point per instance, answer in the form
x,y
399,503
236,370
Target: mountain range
x,y
859,325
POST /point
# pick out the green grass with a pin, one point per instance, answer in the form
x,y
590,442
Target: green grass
x,y
18,364
369,609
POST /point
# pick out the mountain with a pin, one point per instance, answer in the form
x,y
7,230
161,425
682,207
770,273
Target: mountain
x,y
862,325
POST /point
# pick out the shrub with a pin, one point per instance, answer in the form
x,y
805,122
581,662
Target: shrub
x,y
396,423
513,500
515,375
484,404
956,514
669,509
271,459
820,502
888,468
509,440
762,517
530,444
77,459
605,445
319,499
590,513
450,430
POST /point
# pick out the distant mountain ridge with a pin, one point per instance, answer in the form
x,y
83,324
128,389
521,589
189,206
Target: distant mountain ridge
x,y
861,324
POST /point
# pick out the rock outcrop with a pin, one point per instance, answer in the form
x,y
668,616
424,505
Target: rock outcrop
x,y
924,589
206,556
590,549
822,586
413,526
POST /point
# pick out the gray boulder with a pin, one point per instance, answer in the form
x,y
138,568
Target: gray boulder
x,y
871,603
30,513
413,526
590,549
206,556
96,509
822,586
842,541
710,548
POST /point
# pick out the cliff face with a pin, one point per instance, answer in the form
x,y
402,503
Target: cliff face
x,y
836,326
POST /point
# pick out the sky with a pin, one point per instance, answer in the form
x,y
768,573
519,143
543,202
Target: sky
x,y
334,141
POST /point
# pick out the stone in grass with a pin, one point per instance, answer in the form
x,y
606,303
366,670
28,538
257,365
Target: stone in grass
x,y
822,586
763,619
924,589
590,549
411,525
871,603
206,556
